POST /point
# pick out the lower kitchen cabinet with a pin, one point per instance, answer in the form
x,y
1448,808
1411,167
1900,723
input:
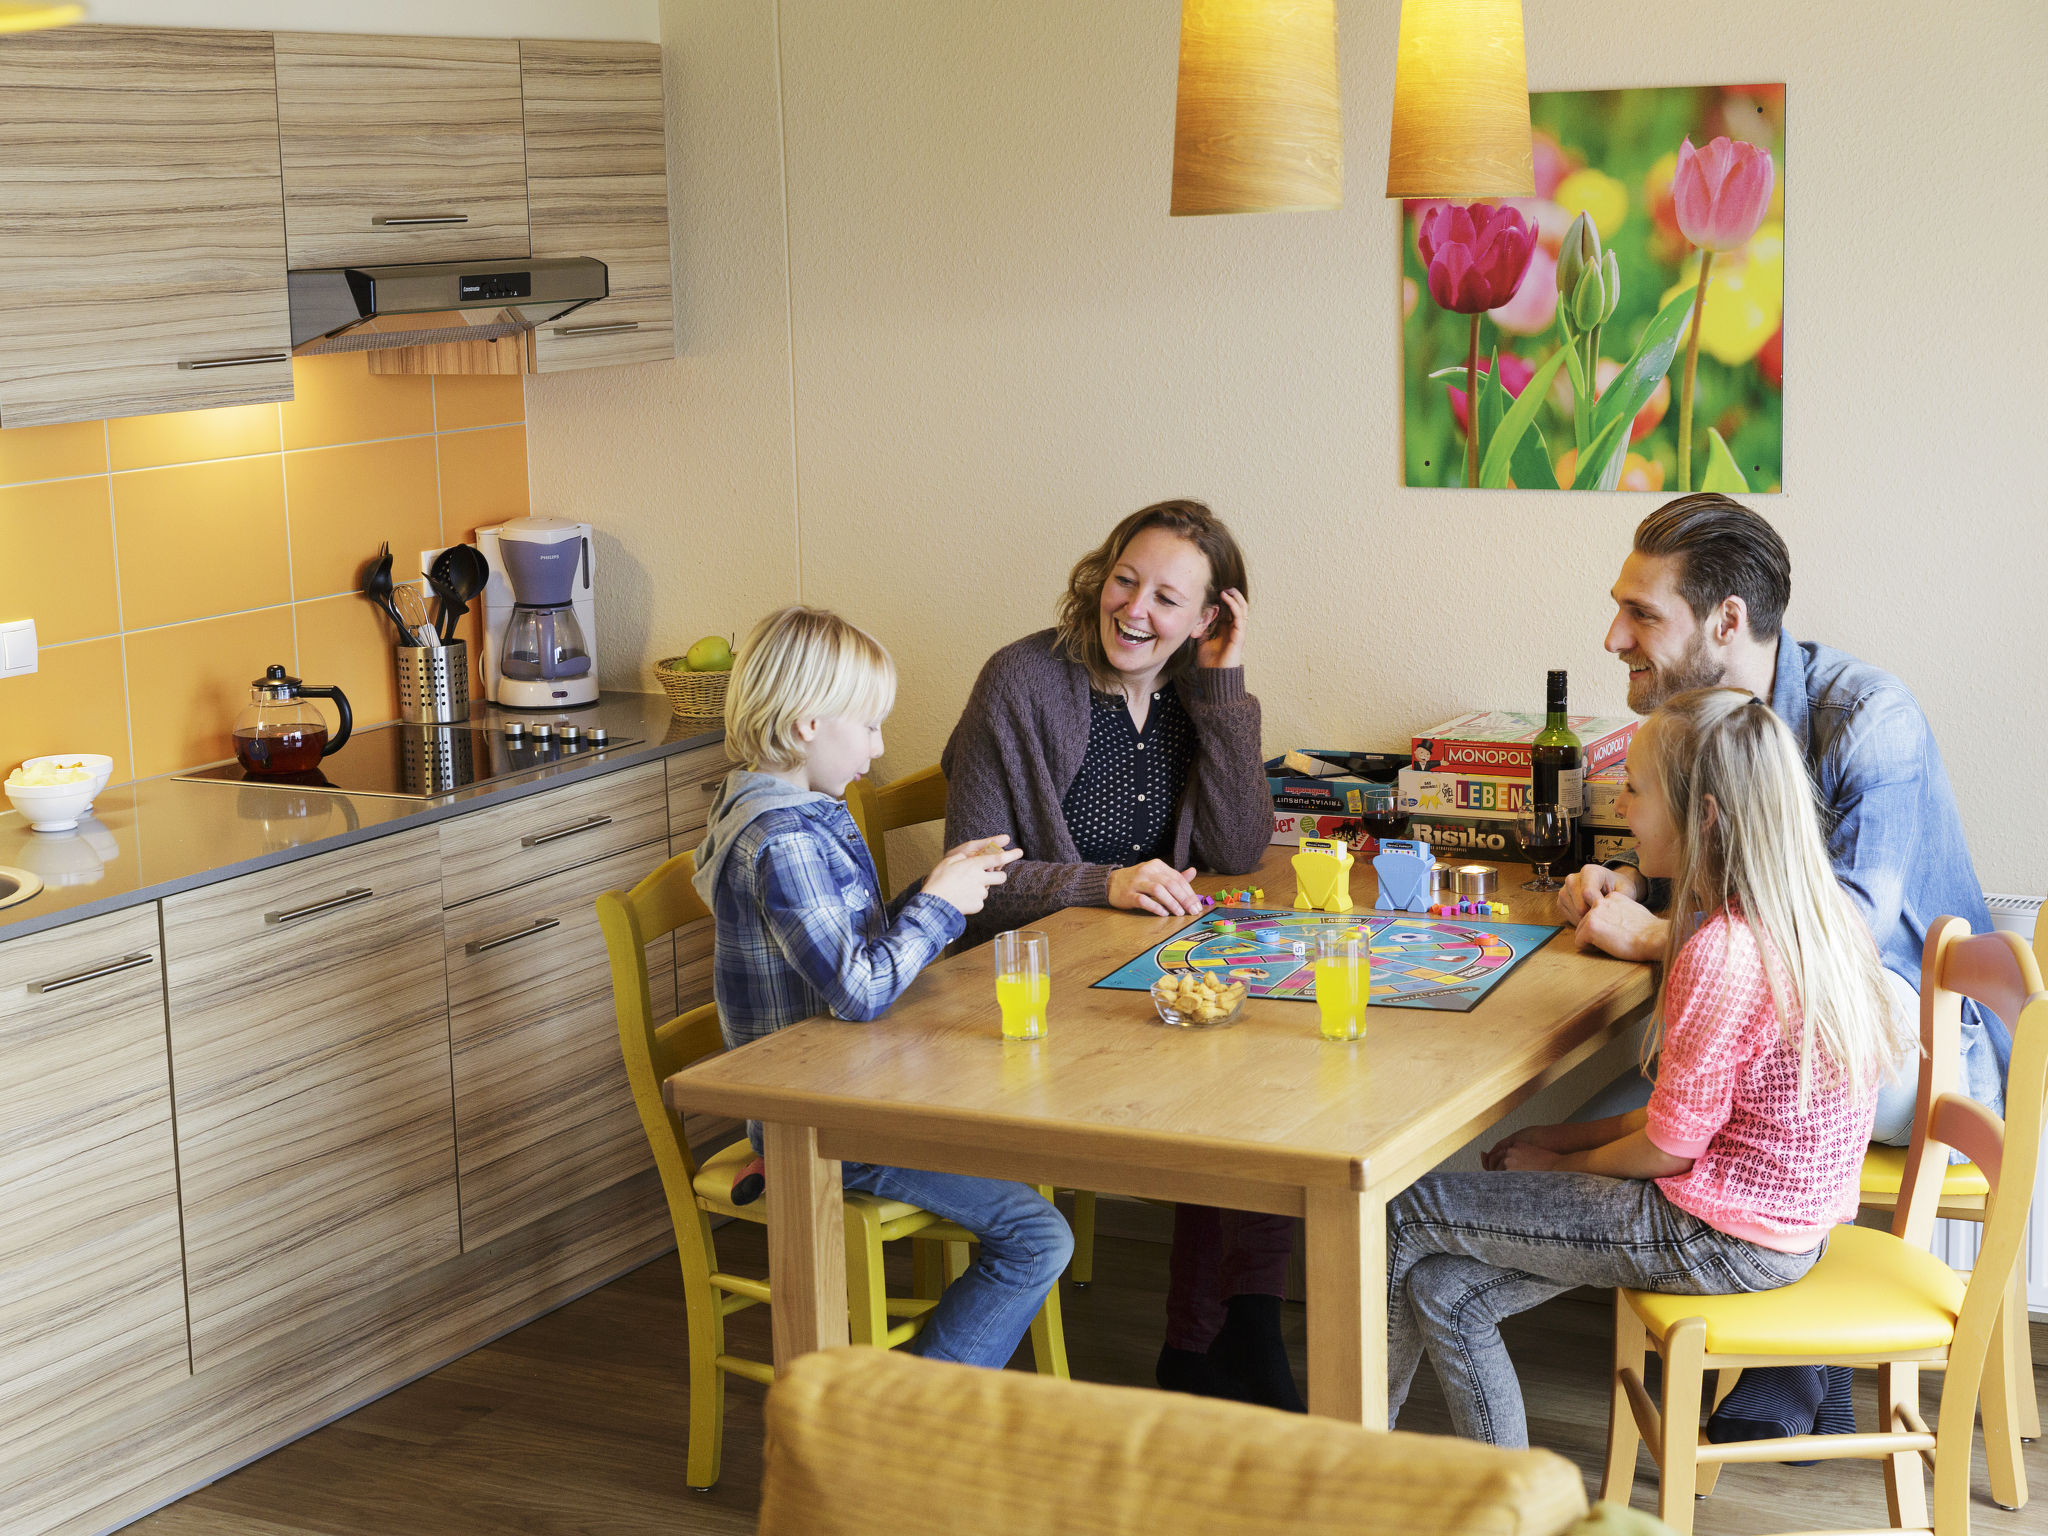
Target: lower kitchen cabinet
x,y
544,1114
309,1054
92,1281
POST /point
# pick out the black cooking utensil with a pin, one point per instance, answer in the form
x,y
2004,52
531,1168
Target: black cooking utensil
x,y
459,573
377,588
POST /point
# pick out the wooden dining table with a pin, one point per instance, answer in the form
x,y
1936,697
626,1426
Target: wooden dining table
x,y
1260,1115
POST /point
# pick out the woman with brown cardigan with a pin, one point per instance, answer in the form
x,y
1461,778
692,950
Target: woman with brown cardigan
x,y
1120,750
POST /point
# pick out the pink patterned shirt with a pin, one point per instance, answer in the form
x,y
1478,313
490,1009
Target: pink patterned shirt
x,y
1727,1097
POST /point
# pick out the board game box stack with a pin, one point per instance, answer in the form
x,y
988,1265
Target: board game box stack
x,y
1468,778
1319,792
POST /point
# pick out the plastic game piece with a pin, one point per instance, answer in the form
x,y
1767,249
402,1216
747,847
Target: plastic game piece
x,y
1259,894
1322,875
1497,908
1226,926
1208,901
1403,867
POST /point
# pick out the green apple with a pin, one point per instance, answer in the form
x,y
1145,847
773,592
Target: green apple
x,y
711,654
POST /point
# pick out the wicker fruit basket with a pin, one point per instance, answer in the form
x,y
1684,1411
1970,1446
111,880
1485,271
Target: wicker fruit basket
x,y
692,695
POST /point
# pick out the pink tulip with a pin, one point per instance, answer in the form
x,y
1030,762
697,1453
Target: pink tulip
x,y
1721,192
1514,378
1477,255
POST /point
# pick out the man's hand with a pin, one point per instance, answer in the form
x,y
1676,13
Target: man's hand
x,y
1624,928
1583,888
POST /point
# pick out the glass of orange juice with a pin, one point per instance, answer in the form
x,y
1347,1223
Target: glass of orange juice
x,y
1023,982
1343,982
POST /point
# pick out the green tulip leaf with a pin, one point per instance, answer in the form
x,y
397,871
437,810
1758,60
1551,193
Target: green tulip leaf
x,y
1500,453
1609,445
1492,404
1638,379
1530,464
1723,473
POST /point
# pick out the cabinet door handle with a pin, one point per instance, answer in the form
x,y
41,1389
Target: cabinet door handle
x,y
250,361
609,328
333,904
538,838
420,221
483,946
79,978
711,786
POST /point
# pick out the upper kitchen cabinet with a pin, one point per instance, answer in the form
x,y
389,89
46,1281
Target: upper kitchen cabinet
x,y
400,149
597,185
141,242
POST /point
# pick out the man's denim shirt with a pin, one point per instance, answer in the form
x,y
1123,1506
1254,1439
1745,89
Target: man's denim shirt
x,y
1891,823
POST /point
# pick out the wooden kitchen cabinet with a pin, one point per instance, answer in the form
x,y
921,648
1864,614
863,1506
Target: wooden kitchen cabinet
x,y
597,185
544,1114
400,149
92,1280
523,840
309,1054
142,249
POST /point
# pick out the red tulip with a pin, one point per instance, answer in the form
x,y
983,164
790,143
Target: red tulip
x,y
1721,192
1770,362
1514,378
1477,255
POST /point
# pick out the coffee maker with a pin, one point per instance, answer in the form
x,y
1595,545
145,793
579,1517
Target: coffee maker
x,y
540,614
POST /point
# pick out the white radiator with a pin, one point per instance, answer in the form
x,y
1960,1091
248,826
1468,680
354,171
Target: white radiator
x,y
1956,1241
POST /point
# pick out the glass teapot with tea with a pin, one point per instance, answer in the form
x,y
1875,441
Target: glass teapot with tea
x,y
280,733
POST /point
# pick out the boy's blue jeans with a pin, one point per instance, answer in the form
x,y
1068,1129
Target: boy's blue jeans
x,y
1024,1245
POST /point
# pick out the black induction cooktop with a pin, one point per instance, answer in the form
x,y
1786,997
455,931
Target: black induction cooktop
x,y
417,762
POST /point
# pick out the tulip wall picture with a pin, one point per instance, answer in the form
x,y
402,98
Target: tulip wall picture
x,y
1557,341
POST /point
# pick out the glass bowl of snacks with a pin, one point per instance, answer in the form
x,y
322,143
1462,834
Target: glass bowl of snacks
x,y
1188,1001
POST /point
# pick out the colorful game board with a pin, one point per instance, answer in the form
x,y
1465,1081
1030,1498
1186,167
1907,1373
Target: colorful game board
x,y
1443,963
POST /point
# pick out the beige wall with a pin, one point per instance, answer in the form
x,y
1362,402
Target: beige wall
x,y
940,332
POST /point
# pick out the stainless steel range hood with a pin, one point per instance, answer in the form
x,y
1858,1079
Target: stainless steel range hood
x,y
369,309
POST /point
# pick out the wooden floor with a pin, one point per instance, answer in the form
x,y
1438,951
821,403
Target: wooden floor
x,y
575,1424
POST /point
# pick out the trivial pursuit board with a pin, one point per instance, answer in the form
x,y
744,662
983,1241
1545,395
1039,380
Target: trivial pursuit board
x,y
1444,963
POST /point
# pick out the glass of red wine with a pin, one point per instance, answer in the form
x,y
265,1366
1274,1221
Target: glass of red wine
x,y
1381,812
1546,833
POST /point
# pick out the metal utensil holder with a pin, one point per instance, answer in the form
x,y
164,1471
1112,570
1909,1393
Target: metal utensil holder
x,y
433,685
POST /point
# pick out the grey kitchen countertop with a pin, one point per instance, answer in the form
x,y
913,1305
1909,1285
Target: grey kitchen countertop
x,y
152,839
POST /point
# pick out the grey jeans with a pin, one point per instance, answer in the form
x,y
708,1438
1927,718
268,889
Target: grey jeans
x,y
1465,1250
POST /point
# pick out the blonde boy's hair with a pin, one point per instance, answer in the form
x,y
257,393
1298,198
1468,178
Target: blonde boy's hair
x,y
1736,787
799,664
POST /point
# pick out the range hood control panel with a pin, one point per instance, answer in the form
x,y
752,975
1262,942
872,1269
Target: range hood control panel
x,y
496,285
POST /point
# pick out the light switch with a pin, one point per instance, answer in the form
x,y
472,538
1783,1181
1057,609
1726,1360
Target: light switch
x,y
17,648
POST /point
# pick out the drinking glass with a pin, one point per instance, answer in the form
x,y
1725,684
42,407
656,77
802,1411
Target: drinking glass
x,y
1382,812
1546,832
1343,983
1023,982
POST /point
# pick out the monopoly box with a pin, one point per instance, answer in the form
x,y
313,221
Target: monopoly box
x,y
1496,742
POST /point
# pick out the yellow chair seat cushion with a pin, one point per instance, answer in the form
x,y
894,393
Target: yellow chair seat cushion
x,y
713,1187
1870,1294
1884,1173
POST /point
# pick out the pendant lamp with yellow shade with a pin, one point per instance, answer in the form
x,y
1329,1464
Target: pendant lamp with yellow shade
x,y
1461,102
33,16
1258,124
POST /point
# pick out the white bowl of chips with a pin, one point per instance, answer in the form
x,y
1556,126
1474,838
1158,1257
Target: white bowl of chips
x,y
98,764
50,799
1188,1001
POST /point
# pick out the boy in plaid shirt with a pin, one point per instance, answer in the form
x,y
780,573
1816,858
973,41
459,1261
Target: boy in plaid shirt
x,y
800,929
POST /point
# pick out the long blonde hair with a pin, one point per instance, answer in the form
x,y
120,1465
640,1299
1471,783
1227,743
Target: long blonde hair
x,y
1737,790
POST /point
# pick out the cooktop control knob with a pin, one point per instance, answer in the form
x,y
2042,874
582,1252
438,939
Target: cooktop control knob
x,y
570,733
597,735
544,731
515,729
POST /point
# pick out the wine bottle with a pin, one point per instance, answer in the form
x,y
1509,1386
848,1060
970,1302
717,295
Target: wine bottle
x,y
1556,778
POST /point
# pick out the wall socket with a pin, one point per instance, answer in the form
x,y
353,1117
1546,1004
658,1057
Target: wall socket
x,y
18,648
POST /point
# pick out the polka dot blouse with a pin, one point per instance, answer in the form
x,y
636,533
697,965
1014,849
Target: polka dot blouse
x,y
1120,807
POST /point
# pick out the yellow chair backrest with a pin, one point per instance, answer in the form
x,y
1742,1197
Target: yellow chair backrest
x,y
905,802
655,1051
1999,971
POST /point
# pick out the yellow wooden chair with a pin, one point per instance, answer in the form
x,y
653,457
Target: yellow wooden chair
x,y
631,920
1875,1298
908,802
1964,1191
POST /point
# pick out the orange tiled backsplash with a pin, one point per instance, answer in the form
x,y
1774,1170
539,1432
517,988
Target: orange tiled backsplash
x,y
167,560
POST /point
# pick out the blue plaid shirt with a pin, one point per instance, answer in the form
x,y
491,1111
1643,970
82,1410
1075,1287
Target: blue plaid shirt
x,y
800,927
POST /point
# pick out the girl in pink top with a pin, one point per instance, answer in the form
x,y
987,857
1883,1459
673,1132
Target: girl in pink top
x,y
1776,1030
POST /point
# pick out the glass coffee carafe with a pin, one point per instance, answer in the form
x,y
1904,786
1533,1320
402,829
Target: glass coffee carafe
x,y
280,734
